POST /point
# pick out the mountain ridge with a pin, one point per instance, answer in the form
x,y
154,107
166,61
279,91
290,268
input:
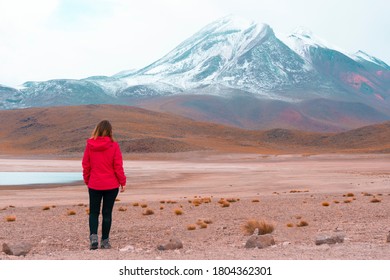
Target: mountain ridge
x,y
229,60
63,131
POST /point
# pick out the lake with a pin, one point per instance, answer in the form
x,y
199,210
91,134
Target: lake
x,y
28,178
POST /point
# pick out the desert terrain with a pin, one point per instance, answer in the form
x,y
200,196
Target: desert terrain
x,y
284,190
329,182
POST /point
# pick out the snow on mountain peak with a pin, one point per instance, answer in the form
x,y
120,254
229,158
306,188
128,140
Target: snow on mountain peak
x,y
361,55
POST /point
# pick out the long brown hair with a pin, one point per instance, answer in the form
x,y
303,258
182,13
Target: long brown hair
x,y
103,128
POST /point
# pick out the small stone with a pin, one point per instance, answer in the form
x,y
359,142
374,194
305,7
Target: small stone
x,y
17,249
260,241
173,244
128,248
330,239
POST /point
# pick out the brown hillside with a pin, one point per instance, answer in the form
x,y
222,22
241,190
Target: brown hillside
x,y
63,131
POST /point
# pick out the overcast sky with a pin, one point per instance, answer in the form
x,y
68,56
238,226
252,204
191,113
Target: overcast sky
x,y
48,39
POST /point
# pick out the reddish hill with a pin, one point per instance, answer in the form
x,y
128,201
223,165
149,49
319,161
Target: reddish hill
x,y
63,131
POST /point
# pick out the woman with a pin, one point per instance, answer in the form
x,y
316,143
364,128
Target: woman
x,y
103,174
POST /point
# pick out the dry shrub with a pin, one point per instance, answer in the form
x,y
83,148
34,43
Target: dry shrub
x,y
191,227
161,207
171,202
350,195
325,203
80,204
302,224
135,204
206,199
144,205
197,202
263,226
298,217
347,201
367,194
53,206
10,218
221,200
255,200
46,207
375,200
162,201
208,221
122,209
178,211
290,225
148,212
225,204
203,225
117,199
87,211
231,200
336,201
71,212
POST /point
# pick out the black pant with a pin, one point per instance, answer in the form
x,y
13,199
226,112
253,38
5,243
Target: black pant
x,y
95,199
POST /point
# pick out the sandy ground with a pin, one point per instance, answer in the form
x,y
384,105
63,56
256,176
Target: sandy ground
x,y
289,189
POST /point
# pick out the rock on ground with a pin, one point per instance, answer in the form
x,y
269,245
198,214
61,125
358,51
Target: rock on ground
x,y
17,249
260,241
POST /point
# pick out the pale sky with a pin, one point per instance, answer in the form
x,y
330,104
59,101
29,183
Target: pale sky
x,y
48,39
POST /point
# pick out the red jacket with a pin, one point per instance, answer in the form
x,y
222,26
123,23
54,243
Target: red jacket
x,y
103,165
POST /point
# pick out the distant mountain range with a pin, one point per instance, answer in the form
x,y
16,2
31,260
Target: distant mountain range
x,y
238,73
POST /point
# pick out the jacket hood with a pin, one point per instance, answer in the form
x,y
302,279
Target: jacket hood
x,y
100,143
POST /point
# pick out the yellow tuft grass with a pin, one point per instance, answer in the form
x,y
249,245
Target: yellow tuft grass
x,y
10,218
203,225
148,212
302,224
162,207
117,199
122,209
221,200
325,203
135,204
290,225
87,211
264,227
196,202
225,204
144,205
191,227
178,211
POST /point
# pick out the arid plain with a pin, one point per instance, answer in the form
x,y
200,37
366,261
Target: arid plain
x,y
327,182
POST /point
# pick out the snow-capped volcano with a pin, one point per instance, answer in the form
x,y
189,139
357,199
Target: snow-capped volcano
x,y
238,72
200,59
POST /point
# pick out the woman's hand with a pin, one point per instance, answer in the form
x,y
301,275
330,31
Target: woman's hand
x,y
123,188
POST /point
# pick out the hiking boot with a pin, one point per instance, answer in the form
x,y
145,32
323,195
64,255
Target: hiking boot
x,y
94,241
105,244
